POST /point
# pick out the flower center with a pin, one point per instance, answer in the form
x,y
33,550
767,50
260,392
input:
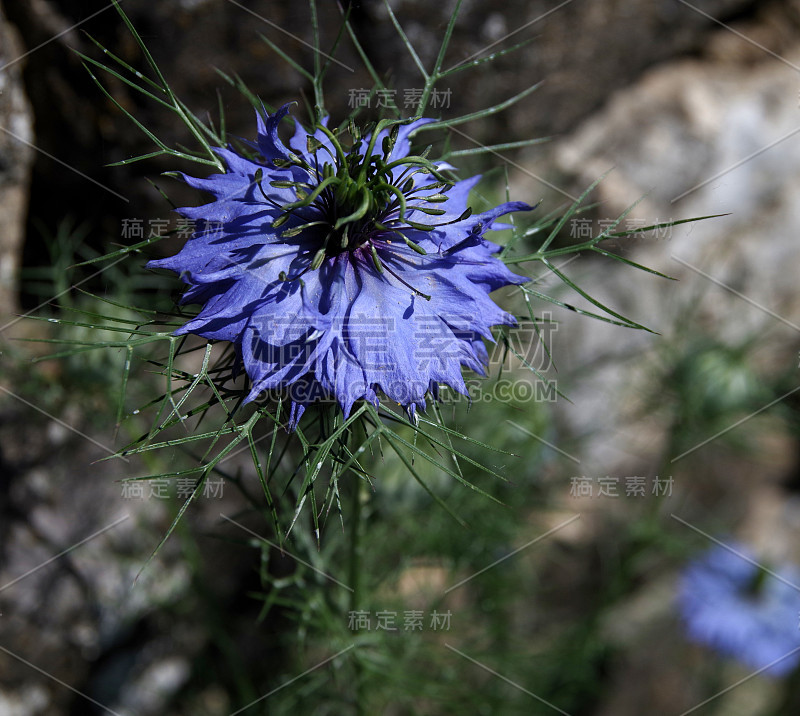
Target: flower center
x,y
755,586
360,197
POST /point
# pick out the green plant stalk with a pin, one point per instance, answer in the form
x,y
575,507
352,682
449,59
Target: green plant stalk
x,y
354,578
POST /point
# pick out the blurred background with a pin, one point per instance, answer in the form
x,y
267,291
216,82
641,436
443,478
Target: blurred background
x,y
562,599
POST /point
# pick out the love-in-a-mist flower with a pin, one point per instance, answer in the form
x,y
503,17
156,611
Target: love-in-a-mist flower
x,y
741,609
343,274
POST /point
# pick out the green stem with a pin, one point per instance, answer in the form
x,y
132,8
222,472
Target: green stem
x,y
354,579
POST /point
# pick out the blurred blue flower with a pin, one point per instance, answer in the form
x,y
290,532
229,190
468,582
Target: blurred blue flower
x,y
742,610
343,274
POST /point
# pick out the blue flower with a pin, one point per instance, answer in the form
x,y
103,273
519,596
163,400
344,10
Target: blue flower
x,y
742,610
343,274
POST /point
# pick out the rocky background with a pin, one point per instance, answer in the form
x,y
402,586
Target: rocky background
x,y
694,108
581,53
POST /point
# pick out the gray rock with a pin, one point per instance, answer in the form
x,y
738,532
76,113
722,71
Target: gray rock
x,y
16,159
713,135
581,52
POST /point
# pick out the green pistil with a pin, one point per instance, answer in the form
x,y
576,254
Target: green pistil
x,y
334,140
360,212
319,257
356,196
375,259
